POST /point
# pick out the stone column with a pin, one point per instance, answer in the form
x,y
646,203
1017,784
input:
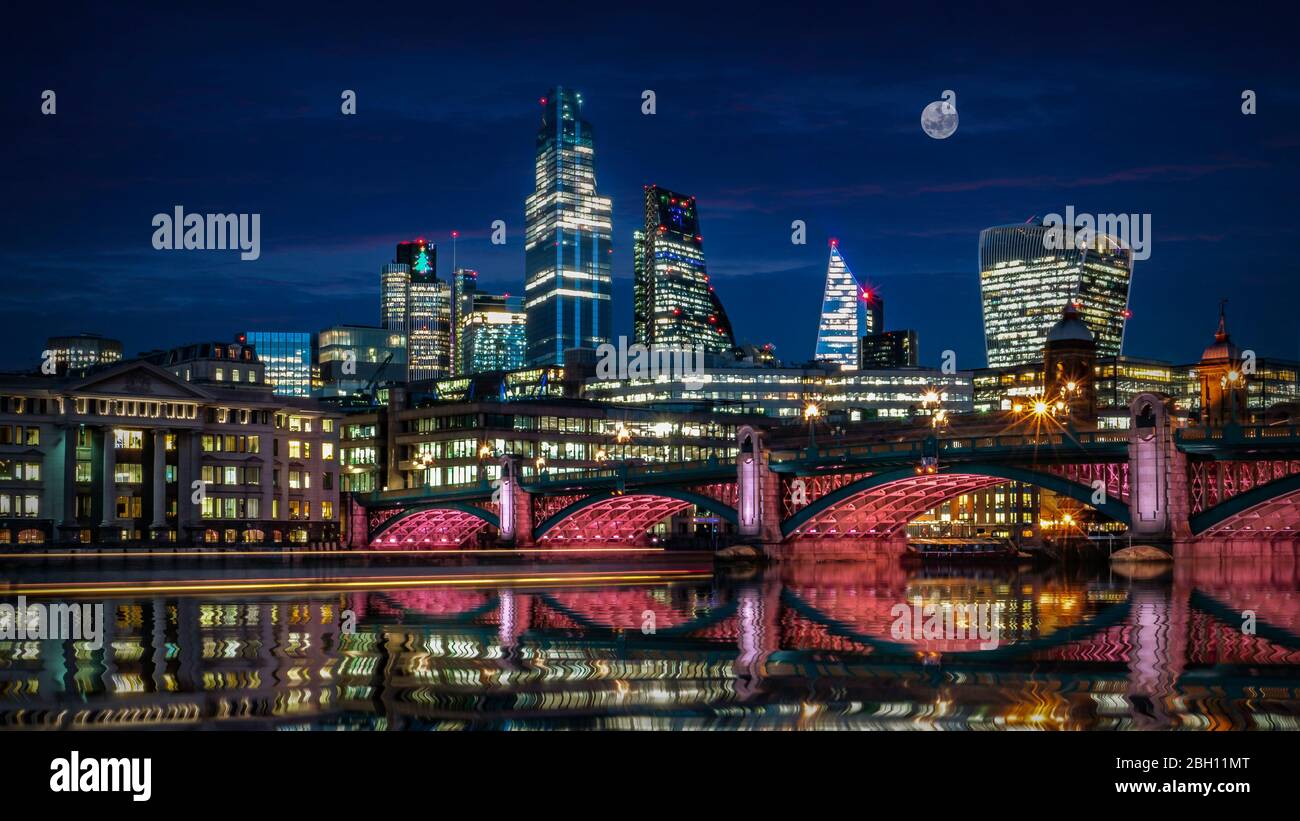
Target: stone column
x,y
68,518
184,479
284,491
159,523
267,489
188,514
109,521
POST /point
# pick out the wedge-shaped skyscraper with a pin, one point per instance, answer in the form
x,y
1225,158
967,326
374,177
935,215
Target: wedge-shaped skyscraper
x,y
839,332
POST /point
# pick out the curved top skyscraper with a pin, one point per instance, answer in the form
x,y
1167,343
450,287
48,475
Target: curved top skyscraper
x,y
1024,285
567,240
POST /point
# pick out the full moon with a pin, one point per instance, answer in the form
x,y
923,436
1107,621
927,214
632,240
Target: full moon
x,y
939,119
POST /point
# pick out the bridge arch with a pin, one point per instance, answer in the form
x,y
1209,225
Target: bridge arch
x,y
1267,510
885,502
444,525
624,516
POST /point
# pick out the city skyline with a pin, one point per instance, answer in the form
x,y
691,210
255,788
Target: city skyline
x,y
911,213
637,448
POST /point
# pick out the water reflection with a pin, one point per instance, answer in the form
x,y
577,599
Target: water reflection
x,y
795,646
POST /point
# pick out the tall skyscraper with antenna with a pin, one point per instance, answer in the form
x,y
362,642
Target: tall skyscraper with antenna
x,y
567,239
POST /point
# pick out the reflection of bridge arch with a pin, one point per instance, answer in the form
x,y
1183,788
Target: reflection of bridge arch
x,y
446,525
1270,509
883,503
1109,616
624,516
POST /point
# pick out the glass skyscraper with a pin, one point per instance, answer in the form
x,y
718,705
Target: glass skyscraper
x,y
394,282
1024,286
464,285
567,240
839,332
492,335
287,357
673,302
428,313
416,304
350,356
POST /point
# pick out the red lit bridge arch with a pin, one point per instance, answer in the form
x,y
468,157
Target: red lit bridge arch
x,y
444,525
622,516
881,504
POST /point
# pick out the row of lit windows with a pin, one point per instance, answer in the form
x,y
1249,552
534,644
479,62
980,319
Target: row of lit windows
x,y
11,470
20,506
18,435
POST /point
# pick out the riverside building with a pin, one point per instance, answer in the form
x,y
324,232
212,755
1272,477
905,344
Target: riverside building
x,y
187,447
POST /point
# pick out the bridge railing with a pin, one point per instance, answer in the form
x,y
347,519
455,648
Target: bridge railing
x,y
1238,433
532,476
964,444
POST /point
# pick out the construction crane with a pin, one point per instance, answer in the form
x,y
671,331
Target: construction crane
x,y
368,392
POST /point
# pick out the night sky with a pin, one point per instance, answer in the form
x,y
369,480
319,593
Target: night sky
x,y
766,116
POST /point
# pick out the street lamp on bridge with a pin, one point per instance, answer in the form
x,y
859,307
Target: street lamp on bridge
x,y
812,412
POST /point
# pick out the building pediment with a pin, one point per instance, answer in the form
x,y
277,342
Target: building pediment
x,y
139,380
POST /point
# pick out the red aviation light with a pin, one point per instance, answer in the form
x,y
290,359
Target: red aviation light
x,y
1127,314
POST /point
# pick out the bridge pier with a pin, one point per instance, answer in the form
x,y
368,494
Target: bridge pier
x,y
514,506
1157,473
758,491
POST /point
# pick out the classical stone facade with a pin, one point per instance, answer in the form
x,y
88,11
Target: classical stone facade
x,y
135,455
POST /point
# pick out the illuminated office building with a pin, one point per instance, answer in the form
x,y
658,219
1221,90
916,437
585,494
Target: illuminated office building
x,y
567,241
416,304
287,357
1024,285
354,357
891,349
455,440
80,352
492,335
839,332
464,285
394,283
674,304
873,312
784,392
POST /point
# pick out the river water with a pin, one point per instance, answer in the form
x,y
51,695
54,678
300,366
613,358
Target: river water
x,y
663,641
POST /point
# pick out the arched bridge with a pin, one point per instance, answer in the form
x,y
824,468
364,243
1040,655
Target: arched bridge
x,y
1215,490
